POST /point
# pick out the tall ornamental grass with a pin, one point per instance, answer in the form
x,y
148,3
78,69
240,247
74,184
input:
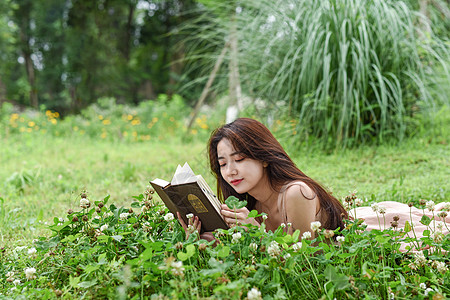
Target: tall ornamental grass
x,y
348,71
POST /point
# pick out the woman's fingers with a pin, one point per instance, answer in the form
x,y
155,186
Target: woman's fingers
x,y
180,219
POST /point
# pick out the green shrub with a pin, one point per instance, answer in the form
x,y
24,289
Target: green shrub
x,y
348,71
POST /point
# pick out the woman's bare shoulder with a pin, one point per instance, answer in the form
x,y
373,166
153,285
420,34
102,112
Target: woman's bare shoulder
x,y
297,191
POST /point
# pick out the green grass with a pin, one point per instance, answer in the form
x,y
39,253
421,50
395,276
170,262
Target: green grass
x,y
42,175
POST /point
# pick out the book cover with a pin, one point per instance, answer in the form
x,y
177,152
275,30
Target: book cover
x,y
189,193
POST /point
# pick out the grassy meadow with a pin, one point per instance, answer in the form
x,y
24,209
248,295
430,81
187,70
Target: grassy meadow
x,y
46,163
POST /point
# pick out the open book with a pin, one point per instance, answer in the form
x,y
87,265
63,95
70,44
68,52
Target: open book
x,y
189,193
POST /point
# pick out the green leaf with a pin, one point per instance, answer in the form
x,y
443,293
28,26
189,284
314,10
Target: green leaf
x,y
223,252
87,284
102,259
147,254
89,269
117,237
340,281
136,205
182,256
253,214
234,203
73,281
296,235
426,233
190,251
407,227
103,238
425,220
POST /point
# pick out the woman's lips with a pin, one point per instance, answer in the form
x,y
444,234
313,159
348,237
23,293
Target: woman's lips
x,y
236,182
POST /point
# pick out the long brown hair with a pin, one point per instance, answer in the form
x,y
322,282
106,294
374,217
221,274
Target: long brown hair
x,y
253,140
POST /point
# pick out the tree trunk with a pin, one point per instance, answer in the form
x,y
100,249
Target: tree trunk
x,y
234,82
205,91
22,15
2,92
426,26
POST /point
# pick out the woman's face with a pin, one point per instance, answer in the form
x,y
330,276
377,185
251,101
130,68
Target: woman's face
x,y
244,174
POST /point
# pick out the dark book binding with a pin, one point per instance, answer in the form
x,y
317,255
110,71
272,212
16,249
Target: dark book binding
x,y
190,197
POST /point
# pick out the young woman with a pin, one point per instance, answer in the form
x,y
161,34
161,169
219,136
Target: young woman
x,y
250,164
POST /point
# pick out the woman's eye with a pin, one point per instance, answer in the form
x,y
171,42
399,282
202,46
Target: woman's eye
x,y
240,159
221,165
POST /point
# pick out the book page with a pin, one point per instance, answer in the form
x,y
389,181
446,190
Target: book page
x,y
209,193
183,175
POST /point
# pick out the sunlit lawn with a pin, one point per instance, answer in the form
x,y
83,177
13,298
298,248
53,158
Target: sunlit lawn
x,y
42,175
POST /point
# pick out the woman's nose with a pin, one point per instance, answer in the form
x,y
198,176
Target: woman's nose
x,y
231,169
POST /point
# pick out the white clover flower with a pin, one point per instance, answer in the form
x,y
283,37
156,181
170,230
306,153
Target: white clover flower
x,y
440,266
177,268
315,226
20,248
438,237
191,228
423,285
16,282
297,246
306,235
273,249
124,215
96,218
282,225
430,205
446,206
340,238
264,217
104,227
375,207
61,220
419,259
10,274
382,210
347,205
254,294
32,251
168,217
29,273
358,201
189,216
391,296
286,256
427,291
146,226
236,237
289,224
84,203
144,209
253,246
108,214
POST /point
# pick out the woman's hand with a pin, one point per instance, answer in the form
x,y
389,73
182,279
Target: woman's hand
x,y
194,225
237,216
